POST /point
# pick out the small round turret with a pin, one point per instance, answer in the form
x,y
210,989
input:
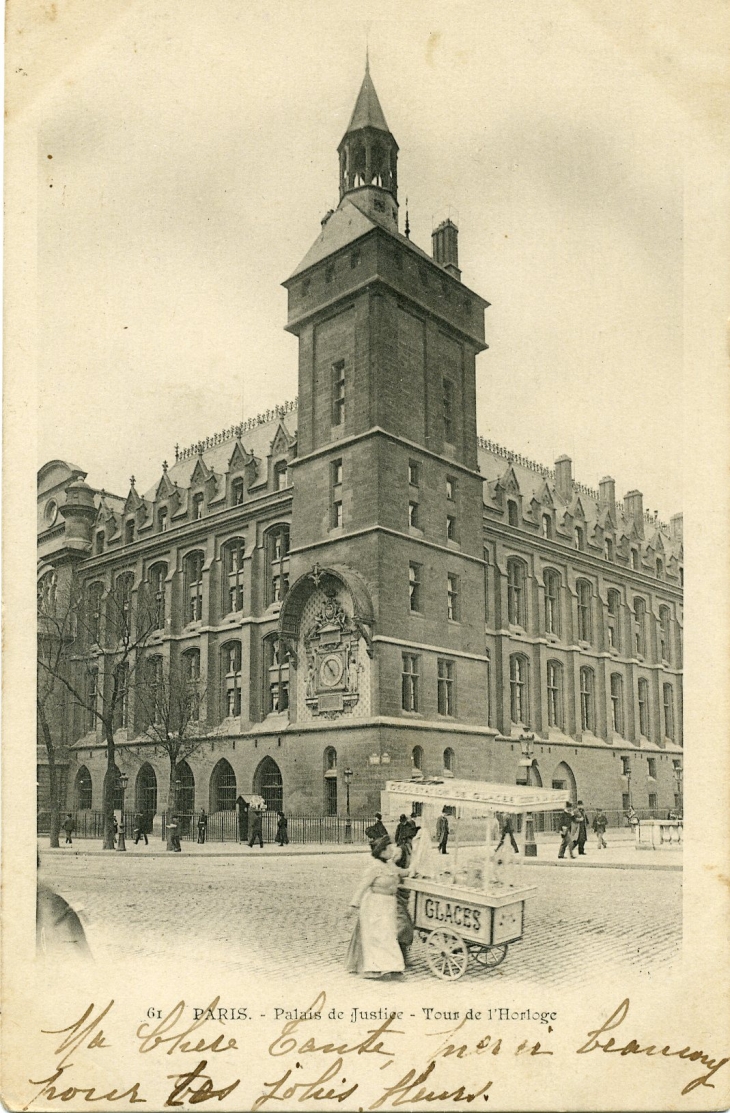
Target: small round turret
x,y
79,512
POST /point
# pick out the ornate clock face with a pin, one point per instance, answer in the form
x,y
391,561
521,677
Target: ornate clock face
x,y
330,670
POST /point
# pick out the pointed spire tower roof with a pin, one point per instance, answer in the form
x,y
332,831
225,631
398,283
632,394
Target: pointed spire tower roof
x,y
367,112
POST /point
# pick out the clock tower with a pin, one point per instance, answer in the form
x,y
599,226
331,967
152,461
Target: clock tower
x,y
385,616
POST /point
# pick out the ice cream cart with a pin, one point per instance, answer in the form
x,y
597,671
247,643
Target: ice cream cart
x,y
470,902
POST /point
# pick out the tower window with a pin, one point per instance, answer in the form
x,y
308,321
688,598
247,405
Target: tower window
x,y
451,527
336,497
452,597
409,683
450,488
414,586
413,514
413,473
338,392
446,684
448,404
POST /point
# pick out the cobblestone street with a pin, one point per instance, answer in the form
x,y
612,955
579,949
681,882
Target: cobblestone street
x,y
267,916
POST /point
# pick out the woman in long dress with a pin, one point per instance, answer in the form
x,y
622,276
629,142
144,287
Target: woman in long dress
x,y
374,949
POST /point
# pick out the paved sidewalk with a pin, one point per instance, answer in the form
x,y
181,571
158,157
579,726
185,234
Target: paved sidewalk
x,y
621,853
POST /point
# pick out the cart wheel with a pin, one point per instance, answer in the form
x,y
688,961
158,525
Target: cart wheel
x,y
446,955
491,957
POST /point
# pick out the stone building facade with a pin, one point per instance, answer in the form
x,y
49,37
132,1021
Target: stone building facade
x,y
359,581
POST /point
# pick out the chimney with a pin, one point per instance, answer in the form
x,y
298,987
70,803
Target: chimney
x,y
564,478
675,527
607,494
634,509
445,246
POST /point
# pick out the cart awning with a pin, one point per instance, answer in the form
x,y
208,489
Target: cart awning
x,y
480,795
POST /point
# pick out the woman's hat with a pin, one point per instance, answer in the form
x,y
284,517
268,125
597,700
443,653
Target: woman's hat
x,y
380,844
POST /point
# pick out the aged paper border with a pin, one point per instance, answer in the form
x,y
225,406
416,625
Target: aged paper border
x,y
693,1008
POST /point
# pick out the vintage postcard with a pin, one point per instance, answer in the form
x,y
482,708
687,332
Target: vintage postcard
x,y
366,423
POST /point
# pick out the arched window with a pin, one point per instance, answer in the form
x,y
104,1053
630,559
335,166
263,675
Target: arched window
x,y
512,512
516,592
617,703
193,566
417,757
583,591
123,586
668,712
94,597
640,627
237,491
47,594
277,563
223,787
563,780
231,658
184,789
233,554
276,675
330,781
552,602
665,650
267,782
613,609
157,579
643,690
155,702
83,790
587,700
146,791
555,694
518,689
191,680
547,527
449,760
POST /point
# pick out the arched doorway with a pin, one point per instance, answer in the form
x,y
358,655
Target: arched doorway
x,y
535,777
223,787
185,789
267,782
564,781
146,791
83,790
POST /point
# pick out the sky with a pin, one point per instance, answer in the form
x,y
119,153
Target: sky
x,y
188,153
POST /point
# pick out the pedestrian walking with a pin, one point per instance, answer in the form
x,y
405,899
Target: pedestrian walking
x,y
632,818
442,832
255,828
507,831
69,827
378,830
140,828
600,823
566,827
202,826
175,835
374,950
582,834
282,834
405,833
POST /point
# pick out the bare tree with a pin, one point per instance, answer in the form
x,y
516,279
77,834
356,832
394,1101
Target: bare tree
x,y
55,634
86,643
170,697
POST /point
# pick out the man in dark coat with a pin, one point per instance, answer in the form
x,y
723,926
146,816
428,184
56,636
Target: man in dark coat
x,y
508,832
69,827
255,828
202,826
582,818
140,828
442,832
566,822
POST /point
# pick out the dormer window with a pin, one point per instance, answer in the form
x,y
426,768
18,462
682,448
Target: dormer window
x,y
635,559
198,506
237,491
162,519
579,539
608,548
547,527
512,515
129,531
99,543
281,476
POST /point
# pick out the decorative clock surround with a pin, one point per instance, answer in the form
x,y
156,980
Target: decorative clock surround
x,y
334,674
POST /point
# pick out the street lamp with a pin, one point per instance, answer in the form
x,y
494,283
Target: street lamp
x,y
527,746
121,845
347,775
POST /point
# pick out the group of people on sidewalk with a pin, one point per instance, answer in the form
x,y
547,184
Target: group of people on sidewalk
x,y
574,829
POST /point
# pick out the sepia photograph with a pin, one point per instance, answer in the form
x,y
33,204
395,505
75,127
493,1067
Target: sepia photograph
x,y
359,344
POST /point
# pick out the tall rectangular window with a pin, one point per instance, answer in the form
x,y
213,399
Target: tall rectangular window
x,y
92,694
643,688
336,504
414,586
451,527
617,703
554,694
587,703
583,590
552,602
232,665
450,488
338,392
413,514
234,555
668,712
452,597
518,695
446,682
409,683
614,605
489,687
413,473
448,401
